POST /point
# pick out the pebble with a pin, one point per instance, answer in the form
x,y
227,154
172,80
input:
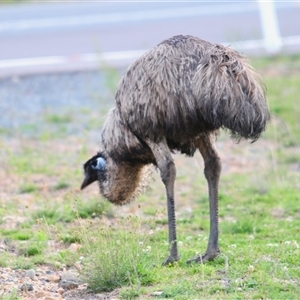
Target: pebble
x,y
53,298
74,247
157,294
30,273
53,278
60,291
39,295
47,296
68,284
26,287
70,275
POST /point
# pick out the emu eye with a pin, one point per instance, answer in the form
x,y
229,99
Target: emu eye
x,y
99,164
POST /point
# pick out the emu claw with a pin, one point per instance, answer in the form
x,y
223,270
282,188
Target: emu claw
x,y
203,258
170,261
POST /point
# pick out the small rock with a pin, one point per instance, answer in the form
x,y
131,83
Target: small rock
x,y
68,284
60,291
157,294
70,275
74,247
39,295
53,298
29,273
53,278
26,287
101,296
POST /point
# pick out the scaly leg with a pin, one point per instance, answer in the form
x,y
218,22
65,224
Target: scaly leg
x,y
212,171
167,169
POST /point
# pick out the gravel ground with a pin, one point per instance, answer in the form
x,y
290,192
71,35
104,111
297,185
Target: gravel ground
x,y
46,284
26,99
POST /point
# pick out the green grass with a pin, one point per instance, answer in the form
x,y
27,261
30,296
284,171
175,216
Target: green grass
x,y
11,1
113,265
28,188
58,119
122,248
283,89
13,295
66,213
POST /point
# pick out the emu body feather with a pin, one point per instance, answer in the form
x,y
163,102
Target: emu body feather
x,y
176,97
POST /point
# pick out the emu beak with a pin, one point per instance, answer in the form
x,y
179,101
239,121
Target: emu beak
x,y
88,180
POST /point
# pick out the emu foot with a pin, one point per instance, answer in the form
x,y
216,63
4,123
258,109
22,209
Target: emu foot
x,y
204,258
170,260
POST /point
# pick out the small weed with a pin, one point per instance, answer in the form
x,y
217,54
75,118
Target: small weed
x,y
12,295
50,215
6,259
111,78
244,227
58,119
66,257
177,291
23,262
28,188
21,236
130,293
31,249
71,238
116,258
53,215
92,208
28,129
61,185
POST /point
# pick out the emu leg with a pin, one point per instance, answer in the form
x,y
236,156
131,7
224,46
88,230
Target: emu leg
x,y
167,169
212,171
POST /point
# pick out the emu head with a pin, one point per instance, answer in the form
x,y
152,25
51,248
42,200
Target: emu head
x,y
94,169
119,182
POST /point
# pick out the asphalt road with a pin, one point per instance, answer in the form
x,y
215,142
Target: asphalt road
x,y
76,35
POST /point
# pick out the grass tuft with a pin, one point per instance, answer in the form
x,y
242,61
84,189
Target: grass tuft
x,y
117,256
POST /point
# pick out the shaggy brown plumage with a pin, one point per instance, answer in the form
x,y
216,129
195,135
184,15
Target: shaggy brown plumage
x,y
175,97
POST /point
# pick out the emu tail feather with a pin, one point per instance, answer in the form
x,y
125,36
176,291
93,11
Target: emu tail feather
x,y
230,93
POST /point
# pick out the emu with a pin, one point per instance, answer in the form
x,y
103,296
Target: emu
x,y
176,97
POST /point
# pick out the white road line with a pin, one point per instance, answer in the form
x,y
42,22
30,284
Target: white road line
x,y
122,58
29,62
260,44
131,16
72,59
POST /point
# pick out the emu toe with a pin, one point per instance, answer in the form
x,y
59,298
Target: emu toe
x,y
204,258
170,260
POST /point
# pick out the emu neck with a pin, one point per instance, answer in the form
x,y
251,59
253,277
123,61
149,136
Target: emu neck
x,y
121,144
124,184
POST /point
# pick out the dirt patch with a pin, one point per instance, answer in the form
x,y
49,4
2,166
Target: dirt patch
x,y
47,284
